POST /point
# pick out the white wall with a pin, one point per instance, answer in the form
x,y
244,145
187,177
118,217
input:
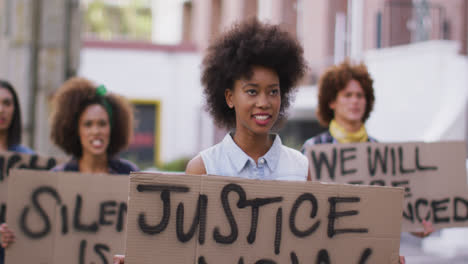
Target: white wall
x,y
171,77
421,92
420,89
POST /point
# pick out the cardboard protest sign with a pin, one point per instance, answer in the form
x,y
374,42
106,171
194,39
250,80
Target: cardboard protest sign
x,y
211,219
9,160
61,217
432,174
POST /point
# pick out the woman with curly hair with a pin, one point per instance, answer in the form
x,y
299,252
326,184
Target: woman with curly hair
x,y
345,101
249,74
91,125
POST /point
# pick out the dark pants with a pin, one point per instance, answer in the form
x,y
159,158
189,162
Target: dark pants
x,y
2,255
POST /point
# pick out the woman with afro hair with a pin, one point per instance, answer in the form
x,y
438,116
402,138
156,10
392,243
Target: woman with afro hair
x,y
91,125
249,74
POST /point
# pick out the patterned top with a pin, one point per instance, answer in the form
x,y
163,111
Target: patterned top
x,y
326,138
279,163
116,166
20,149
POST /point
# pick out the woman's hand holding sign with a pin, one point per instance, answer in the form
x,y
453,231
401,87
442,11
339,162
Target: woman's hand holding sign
x,y
7,235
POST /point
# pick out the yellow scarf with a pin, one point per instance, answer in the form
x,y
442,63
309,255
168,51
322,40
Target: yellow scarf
x,y
342,136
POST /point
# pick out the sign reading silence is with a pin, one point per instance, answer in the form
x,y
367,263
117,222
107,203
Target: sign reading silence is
x,y
11,160
66,217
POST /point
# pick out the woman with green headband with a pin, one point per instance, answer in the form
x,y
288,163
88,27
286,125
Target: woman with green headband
x,y
91,125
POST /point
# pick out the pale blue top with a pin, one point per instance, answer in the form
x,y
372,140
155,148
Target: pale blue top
x,y
279,163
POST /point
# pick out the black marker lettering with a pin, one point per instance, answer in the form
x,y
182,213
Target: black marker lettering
x,y
201,260
229,239
421,167
410,215
99,248
35,201
2,213
265,261
323,257
82,252
33,163
279,224
15,158
255,204
436,207
401,159
457,217
294,259
416,209
106,208
91,228
121,218
199,213
64,214
156,229
2,165
356,182
292,217
162,187
323,159
344,158
373,161
365,256
165,198
333,215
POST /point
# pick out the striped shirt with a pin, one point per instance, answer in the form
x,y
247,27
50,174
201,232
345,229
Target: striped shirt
x,y
326,138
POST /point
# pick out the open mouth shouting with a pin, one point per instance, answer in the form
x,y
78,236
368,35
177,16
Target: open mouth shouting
x,y
97,143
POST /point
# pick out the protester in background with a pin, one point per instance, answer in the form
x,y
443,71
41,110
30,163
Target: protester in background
x,y
10,120
10,137
249,74
91,125
345,101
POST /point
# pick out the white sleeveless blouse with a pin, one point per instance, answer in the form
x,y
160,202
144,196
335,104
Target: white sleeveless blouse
x,y
279,163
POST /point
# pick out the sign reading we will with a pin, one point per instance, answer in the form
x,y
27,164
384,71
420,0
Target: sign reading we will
x,y
432,174
10,160
66,217
211,219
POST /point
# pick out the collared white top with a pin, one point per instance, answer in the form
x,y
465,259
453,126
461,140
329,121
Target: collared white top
x,y
279,163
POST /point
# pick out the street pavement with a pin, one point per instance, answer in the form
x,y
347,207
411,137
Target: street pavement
x,y
448,246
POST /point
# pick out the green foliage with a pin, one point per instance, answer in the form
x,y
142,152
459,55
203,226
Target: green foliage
x,y
175,165
130,21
